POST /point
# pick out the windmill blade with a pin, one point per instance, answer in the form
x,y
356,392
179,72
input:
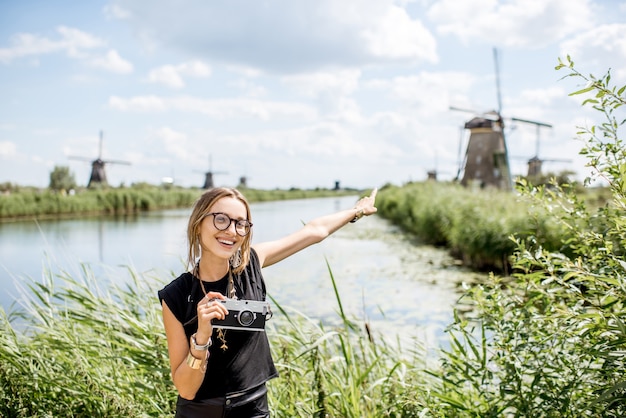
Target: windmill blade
x,y
460,109
532,122
497,69
538,126
73,157
116,162
492,116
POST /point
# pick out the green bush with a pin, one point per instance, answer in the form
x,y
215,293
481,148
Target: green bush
x,y
551,342
476,226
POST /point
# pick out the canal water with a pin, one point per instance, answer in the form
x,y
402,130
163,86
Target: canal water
x,y
401,289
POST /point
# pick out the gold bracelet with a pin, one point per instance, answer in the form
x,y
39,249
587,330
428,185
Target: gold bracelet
x,y
357,216
197,363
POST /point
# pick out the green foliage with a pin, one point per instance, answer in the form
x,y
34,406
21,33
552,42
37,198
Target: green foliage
x,y
61,179
35,203
257,195
476,225
551,342
126,200
78,351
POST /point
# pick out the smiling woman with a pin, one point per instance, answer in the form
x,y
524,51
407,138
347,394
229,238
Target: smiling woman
x,y
229,379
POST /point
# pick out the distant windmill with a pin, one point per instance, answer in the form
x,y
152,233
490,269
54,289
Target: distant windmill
x,y
243,182
486,161
98,174
208,175
433,173
535,163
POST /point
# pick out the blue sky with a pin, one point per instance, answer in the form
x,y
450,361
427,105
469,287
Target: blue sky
x,y
290,93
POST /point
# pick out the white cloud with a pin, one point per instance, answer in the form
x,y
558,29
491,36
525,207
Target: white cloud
x,y
113,62
599,48
321,34
116,11
431,92
138,104
219,108
172,75
249,88
175,143
75,41
515,23
339,82
7,149
72,41
395,35
543,97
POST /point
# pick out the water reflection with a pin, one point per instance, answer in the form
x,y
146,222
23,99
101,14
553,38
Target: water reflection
x,y
383,279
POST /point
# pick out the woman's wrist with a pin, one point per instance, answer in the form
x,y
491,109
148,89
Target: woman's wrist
x,y
358,215
196,363
199,343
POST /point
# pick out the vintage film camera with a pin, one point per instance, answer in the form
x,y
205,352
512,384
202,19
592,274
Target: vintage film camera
x,y
249,315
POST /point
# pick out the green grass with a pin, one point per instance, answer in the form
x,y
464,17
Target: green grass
x,y
34,203
476,226
78,350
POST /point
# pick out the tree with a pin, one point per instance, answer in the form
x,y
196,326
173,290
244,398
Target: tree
x,y
61,179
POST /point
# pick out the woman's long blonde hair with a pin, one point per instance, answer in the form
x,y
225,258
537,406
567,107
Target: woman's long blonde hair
x,y
201,208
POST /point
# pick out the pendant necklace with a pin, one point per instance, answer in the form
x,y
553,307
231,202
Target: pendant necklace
x,y
230,293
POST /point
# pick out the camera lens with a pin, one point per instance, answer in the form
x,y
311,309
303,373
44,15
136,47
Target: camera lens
x,y
246,318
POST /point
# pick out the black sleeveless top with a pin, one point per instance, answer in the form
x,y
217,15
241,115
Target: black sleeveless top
x,y
247,363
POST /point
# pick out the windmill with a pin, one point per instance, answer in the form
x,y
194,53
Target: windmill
x,y
98,173
433,173
208,175
486,161
535,163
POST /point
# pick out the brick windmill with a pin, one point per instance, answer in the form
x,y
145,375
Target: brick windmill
x,y
98,173
486,161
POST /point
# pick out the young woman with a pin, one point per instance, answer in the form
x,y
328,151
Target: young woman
x,y
219,372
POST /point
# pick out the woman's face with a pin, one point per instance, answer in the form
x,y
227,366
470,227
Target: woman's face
x,y
222,244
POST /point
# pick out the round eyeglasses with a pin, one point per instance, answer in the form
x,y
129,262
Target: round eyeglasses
x,y
222,222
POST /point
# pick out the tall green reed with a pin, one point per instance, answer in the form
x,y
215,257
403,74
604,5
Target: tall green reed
x,y
81,351
343,369
80,346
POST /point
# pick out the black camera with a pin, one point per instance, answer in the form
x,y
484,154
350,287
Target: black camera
x,y
244,314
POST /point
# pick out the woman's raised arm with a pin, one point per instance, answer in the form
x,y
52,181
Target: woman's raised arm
x,y
271,252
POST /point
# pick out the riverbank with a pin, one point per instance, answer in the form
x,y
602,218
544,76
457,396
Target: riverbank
x,y
31,203
478,226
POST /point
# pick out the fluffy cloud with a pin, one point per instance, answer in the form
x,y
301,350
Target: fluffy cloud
x,y
515,23
172,75
72,41
217,108
599,46
75,43
112,62
282,35
7,149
